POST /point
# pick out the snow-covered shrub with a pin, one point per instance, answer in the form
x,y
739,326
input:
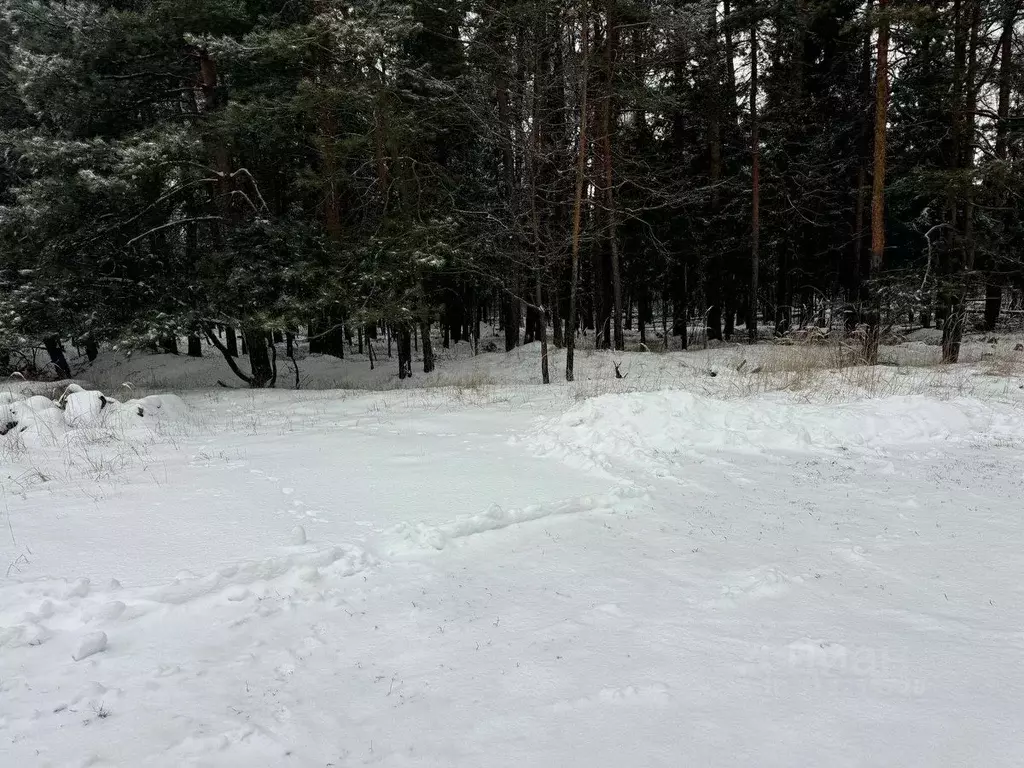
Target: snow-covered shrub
x,y
37,419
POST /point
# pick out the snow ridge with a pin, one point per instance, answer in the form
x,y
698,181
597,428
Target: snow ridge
x,y
653,429
424,536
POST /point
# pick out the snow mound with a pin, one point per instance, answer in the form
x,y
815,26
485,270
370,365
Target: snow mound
x,y
90,645
647,428
43,420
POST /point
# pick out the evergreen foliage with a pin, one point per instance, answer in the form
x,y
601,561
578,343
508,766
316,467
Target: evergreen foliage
x,y
171,167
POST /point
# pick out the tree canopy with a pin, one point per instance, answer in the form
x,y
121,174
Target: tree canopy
x,y
170,167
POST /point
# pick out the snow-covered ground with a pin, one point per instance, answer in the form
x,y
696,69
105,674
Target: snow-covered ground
x,y
694,565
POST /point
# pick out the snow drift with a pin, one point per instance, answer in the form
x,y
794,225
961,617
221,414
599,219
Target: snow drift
x,y
645,427
38,419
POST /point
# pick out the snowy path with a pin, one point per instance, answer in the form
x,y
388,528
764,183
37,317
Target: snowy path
x,y
811,604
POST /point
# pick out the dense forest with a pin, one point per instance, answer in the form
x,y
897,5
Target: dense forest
x,y
242,172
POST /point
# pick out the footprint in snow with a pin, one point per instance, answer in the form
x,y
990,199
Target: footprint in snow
x,y
607,614
755,585
852,554
167,670
629,695
248,745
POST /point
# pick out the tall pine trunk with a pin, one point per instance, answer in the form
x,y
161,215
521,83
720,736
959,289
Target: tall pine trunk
x,y
428,348
577,211
510,316
878,181
961,204
713,262
557,328
731,277
261,370
994,283
854,293
403,339
755,174
608,119
542,329
538,160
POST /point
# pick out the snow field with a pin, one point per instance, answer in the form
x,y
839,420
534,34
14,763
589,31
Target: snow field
x,y
510,576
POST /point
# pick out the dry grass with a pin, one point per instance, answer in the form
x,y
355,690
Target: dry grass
x,y
473,380
830,371
1004,362
816,368
137,388
806,357
12,447
636,380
